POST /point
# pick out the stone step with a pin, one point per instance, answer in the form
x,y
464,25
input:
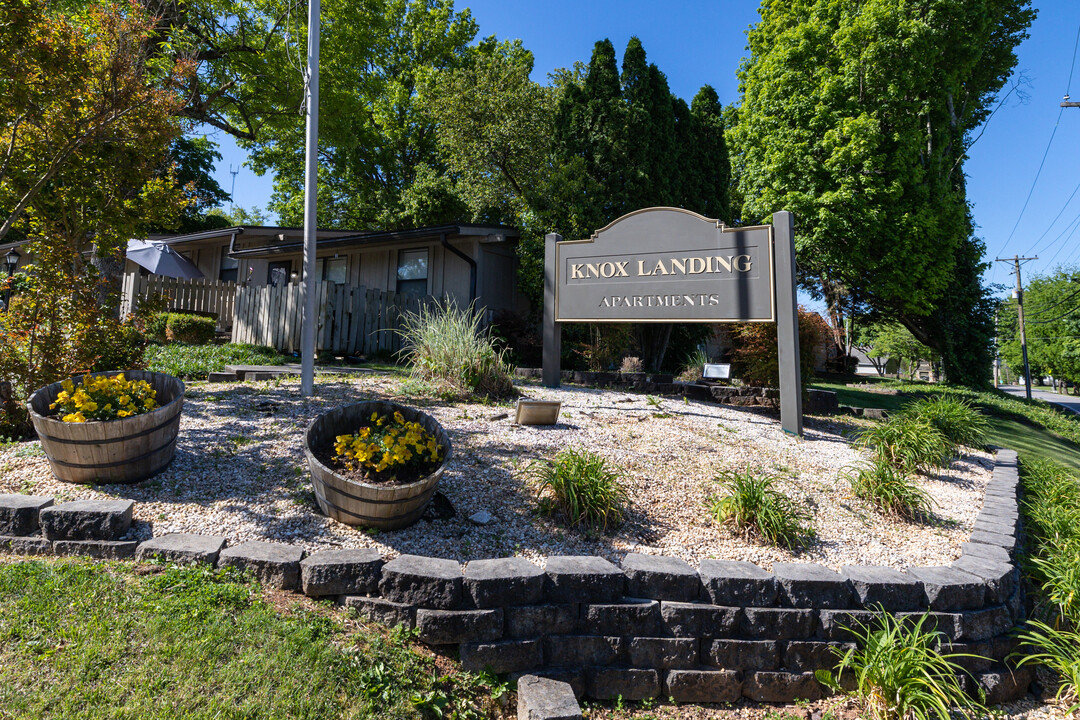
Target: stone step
x,y
87,520
19,513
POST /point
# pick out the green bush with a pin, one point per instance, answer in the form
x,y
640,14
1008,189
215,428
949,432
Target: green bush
x,y
190,328
899,674
157,326
583,487
1059,650
194,362
123,349
889,489
954,417
752,505
446,347
907,443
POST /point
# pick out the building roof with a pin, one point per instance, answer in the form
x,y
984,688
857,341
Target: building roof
x,y
264,240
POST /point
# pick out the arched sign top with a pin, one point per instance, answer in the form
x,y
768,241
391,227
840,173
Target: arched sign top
x,y
666,265
659,209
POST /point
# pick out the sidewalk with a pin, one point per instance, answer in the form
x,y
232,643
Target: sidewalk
x,y
1069,402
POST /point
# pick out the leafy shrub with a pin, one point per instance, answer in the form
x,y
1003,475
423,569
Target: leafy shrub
x,y
156,327
692,369
190,328
889,489
755,352
446,346
194,362
583,487
1059,650
631,364
752,505
1052,511
954,417
907,443
898,673
121,347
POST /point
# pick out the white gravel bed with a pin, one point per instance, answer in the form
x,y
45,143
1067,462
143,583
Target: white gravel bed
x,y
240,472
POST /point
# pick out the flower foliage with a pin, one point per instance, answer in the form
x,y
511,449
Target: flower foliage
x,y
388,444
104,397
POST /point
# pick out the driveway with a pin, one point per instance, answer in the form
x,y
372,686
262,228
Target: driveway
x,y
1069,402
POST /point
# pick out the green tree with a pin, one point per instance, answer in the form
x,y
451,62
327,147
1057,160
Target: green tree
x,y
1052,325
892,341
858,118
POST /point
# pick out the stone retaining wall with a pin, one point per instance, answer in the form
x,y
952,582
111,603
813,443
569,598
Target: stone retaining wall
x,y
654,626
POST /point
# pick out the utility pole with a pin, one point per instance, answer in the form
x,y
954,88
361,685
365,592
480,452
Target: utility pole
x,y
1066,103
311,176
1016,260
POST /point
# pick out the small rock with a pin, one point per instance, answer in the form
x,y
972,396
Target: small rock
x,y
482,518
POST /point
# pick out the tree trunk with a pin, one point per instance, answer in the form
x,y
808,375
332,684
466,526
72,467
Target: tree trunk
x,y
110,272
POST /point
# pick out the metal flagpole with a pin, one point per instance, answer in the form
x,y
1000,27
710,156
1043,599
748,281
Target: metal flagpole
x,y
311,175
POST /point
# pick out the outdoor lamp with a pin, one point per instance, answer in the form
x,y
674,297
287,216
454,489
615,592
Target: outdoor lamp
x,y
11,261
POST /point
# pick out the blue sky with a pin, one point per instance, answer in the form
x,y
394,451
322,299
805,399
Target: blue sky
x,y
700,42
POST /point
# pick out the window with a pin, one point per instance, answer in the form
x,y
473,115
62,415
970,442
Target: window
x,y
332,270
229,267
277,272
412,272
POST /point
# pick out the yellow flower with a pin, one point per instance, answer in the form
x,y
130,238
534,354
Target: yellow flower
x,y
74,417
67,385
122,413
90,406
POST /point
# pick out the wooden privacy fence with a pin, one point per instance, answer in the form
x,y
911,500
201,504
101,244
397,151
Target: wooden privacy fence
x,y
353,320
202,295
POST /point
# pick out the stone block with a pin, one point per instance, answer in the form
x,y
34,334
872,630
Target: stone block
x,y
1005,685
19,513
25,545
572,676
1001,579
986,552
699,620
891,589
949,588
991,538
741,654
840,624
582,578
86,520
993,526
986,623
661,578
422,581
452,627
631,617
541,698
972,657
662,653
181,548
272,564
809,585
503,581
703,686
951,625
528,621
809,655
608,683
737,584
344,571
581,650
222,377
781,687
779,624
101,549
378,610
502,657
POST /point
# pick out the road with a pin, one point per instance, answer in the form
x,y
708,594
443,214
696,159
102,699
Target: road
x,y
1069,402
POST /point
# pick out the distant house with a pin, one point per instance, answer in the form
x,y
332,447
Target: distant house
x,y
466,263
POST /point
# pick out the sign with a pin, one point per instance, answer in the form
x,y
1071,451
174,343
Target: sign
x,y
673,265
713,371
666,265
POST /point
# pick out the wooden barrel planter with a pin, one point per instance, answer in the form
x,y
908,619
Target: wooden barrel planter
x,y
386,507
124,450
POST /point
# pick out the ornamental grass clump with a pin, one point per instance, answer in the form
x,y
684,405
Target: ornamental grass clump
x,y
889,489
899,674
447,347
389,449
953,417
909,444
583,487
752,504
103,397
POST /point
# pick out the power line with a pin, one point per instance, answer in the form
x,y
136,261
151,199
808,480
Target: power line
x,y
1035,247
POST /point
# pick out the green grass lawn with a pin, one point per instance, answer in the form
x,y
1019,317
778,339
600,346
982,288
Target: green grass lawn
x,y
1013,422
89,640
